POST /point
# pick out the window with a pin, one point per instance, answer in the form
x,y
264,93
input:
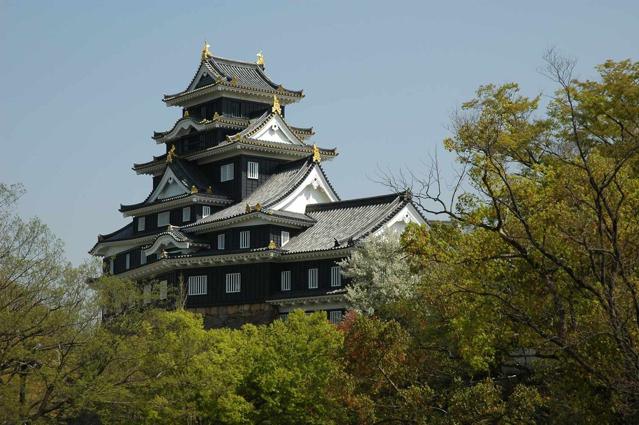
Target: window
x,y
335,316
286,280
197,285
233,282
142,258
111,265
226,172
186,214
336,276
141,224
312,278
147,294
206,211
253,170
285,236
127,259
164,218
163,289
245,239
220,241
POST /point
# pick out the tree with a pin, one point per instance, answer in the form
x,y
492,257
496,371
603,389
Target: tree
x,y
537,270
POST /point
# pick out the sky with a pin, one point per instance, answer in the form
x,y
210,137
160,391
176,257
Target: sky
x,y
81,83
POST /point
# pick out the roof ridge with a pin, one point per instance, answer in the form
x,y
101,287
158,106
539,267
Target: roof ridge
x,y
346,203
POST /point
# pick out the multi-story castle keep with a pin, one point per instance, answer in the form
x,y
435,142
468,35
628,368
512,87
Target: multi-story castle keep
x,y
241,211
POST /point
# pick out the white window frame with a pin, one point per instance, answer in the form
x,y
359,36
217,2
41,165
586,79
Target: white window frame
x,y
141,224
163,289
336,276
253,170
164,218
335,316
198,285
245,239
285,236
143,259
313,278
285,280
233,283
186,214
206,211
221,241
127,261
227,172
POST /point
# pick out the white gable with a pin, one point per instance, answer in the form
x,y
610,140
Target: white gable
x,y
169,186
313,190
396,225
275,130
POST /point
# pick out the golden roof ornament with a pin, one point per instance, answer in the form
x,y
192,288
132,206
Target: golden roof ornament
x,y
209,190
316,154
260,58
257,207
170,155
248,208
185,113
276,105
234,81
194,189
216,116
272,245
206,53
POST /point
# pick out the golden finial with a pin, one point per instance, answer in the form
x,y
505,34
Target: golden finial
x,y
271,244
276,105
206,53
185,113
209,190
170,155
194,189
216,116
257,207
260,58
316,154
248,208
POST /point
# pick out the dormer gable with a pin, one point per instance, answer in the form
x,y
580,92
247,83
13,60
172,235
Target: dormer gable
x,y
270,127
168,187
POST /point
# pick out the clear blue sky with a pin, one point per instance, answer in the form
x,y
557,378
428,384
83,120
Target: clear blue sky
x,y
82,82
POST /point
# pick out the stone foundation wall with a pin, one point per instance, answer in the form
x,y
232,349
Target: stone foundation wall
x,y
234,316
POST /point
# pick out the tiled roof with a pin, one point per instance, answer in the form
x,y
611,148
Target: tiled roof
x,y
233,73
202,124
189,174
280,184
178,236
345,222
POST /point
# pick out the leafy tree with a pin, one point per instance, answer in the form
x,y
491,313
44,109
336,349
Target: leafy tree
x,y
535,276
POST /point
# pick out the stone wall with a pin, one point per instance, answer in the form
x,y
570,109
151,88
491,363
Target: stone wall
x,y
234,316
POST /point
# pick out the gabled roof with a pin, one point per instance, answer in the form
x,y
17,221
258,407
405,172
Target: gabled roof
x,y
189,176
280,184
187,124
229,75
270,127
340,224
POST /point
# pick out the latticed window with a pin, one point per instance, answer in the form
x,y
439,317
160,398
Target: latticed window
x,y
221,239
142,258
253,170
336,276
312,278
233,282
164,218
286,280
197,285
226,172
141,224
285,236
127,259
245,239
335,316
206,211
186,214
